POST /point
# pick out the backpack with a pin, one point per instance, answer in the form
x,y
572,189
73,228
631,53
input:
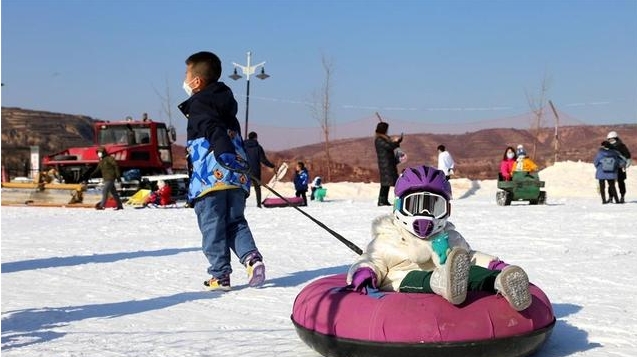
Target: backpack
x,y
609,164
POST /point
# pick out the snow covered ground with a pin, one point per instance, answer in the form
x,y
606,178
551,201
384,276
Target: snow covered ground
x,y
80,282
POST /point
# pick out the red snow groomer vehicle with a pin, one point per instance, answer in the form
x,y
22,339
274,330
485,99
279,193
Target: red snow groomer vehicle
x,y
141,148
135,145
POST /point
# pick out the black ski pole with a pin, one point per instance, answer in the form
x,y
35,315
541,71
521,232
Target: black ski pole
x,y
343,240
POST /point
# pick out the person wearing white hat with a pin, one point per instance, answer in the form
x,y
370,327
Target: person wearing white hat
x,y
621,148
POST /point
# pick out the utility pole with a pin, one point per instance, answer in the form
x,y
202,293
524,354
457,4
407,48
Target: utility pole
x,y
556,139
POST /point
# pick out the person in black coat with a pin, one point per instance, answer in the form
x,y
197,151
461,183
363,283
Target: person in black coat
x,y
387,163
256,157
617,144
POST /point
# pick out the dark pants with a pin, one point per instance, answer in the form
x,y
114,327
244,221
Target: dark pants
x,y
621,182
383,195
109,187
302,194
480,279
612,193
257,192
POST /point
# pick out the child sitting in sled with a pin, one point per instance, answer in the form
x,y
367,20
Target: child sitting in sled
x,y
162,196
417,250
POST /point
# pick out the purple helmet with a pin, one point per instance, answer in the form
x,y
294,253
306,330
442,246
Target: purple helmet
x,y
422,178
422,200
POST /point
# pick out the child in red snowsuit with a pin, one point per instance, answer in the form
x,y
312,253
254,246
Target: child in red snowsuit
x,y
161,197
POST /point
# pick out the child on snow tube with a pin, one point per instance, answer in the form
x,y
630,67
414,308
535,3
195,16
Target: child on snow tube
x,y
417,250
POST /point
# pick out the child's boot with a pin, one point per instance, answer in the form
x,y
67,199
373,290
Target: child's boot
x,y
513,284
451,280
222,283
256,269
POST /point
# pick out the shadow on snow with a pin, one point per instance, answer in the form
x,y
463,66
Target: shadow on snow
x,y
566,339
55,262
36,325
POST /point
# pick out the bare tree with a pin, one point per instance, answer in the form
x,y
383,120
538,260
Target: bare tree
x,y
166,103
166,108
537,106
320,108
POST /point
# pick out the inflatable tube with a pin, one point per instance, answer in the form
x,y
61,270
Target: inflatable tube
x,y
337,322
279,202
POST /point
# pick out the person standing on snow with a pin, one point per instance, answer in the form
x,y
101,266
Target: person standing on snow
x,y
110,172
301,181
618,145
607,165
387,163
445,161
219,184
256,157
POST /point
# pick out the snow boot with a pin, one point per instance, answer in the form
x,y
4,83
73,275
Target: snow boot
x,y
451,280
221,284
255,268
513,284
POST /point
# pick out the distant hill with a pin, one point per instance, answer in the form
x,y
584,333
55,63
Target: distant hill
x,y
477,153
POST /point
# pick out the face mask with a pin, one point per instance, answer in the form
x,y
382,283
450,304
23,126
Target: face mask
x,y
510,155
187,88
100,155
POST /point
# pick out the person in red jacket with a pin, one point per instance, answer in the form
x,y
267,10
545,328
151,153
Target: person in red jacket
x,y
161,197
507,164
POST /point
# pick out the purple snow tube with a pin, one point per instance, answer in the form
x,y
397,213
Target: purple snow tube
x,y
338,322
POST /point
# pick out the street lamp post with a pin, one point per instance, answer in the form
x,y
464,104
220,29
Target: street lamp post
x,y
248,70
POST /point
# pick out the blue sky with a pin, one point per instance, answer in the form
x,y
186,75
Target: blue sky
x,y
419,61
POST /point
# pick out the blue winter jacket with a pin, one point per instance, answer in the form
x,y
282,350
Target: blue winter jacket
x,y
301,180
213,129
602,172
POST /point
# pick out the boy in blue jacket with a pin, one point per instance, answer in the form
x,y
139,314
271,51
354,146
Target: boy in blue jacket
x,y
219,184
301,180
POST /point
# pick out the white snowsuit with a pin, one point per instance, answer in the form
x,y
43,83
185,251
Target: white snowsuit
x,y
394,252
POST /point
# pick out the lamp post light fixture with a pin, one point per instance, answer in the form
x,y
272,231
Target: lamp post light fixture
x,y
247,71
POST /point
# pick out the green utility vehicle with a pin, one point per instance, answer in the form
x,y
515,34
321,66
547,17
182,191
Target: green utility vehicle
x,y
524,186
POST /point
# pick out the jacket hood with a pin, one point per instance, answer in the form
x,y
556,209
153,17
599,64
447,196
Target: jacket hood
x,y
251,143
223,100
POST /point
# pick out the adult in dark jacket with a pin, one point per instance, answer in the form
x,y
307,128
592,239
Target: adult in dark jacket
x,y
110,172
387,162
256,157
607,163
618,145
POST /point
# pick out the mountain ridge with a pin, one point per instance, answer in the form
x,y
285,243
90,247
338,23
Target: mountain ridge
x,y
477,154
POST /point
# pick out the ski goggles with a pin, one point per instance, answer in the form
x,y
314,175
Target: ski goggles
x,y
423,204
